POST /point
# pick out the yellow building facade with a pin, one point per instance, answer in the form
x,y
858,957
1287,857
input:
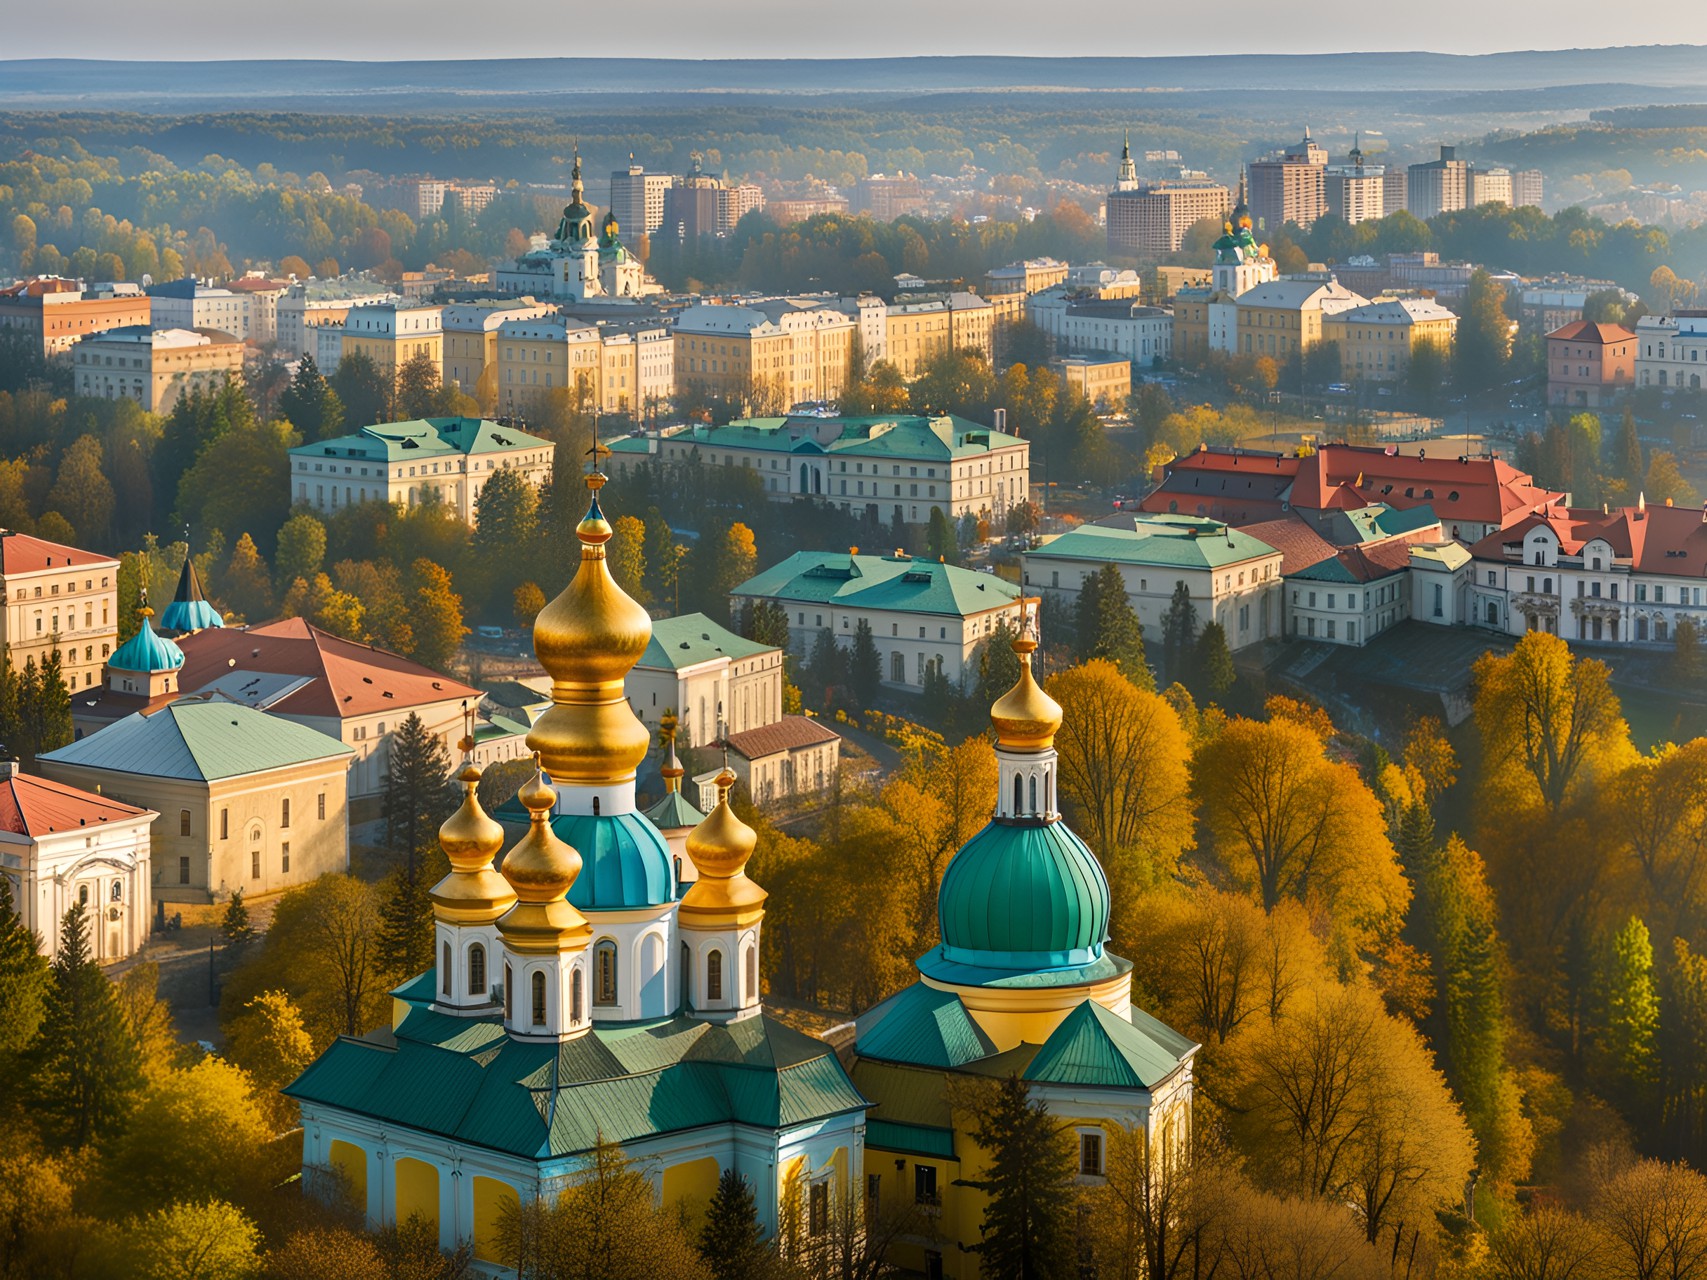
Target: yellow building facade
x,y
1377,341
770,356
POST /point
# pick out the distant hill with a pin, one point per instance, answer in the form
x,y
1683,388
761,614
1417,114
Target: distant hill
x,y
66,82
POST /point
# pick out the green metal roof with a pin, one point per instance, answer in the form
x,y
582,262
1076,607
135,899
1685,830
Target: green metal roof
x,y
942,438
422,438
1167,541
202,738
1378,521
922,1025
1094,1046
674,812
910,1139
625,862
693,638
1023,895
901,584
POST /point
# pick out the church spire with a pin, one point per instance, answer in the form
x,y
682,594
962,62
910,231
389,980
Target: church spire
x,y
1127,177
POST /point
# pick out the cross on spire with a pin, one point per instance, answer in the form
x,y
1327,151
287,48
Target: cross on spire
x,y
598,452
467,744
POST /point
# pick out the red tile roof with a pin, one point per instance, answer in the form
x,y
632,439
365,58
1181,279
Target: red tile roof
x,y
22,553
32,806
1655,539
788,734
347,679
1588,331
1299,544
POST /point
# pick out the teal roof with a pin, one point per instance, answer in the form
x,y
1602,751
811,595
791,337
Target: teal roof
x,y
201,738
466,1079
693,638
1096,1047
944,438
147,651
189,610
910,1139
1023,895
922,1025
625,862
1169,541
422,438
1378,521
899,583
674,812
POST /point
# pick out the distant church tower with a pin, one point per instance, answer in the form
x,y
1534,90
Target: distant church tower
x,y
1127,180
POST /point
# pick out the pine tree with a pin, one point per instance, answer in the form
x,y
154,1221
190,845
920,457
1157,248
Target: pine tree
x,y
865,666
998,664
1212,663
84,1072
51,712
1686,652
416,799
826,668
1626,1013
1028,1231
1179,634
24,977
1108,627
732,1241
363,390
406,924
766,622
940,540
1627,462
310,405
234,926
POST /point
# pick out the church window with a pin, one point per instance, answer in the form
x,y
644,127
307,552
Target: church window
x,y
1019,798
924,1184
477,970
1033,808
183,870
539,997
254,864
444,964
751,977
224,824
818,1208
604,973
507,985
1090,1154
714,975
575,996
284,813
284,858
183,822
83,894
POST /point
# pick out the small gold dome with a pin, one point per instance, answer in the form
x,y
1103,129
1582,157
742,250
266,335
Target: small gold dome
x,y
473,891
541,868
1026,718
671,770
720,847
588,639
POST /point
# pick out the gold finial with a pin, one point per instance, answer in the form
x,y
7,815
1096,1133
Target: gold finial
x,y
542,868
1025,717
466,745
720,846
671,770
473,892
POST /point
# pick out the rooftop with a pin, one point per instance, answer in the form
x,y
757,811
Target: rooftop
x,y
24,553
1179,542
423,438
32,806
788,734
693,638
899,584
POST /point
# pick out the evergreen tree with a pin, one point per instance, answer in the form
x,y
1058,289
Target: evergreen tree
x,y
420,394
1179,634
998,664
940,540
1683,1053
865,666
416,799
765,622
1626,1013
310,405
1108,626
1483,339
1686,652
1627,462
83,1068
1212,663
826,668
234,926
50,713
732,1241
24,977
1415,839
1028,1231
363,390
406,923
662,558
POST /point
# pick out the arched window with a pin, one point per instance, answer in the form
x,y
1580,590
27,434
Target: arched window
x,y
575,1000
714,975
83,895
539,997
508,985
1034,793
751,977
444,963
477,970
604,972
1019,795
118,890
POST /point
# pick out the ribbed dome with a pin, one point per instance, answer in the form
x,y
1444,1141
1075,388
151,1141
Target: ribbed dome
x,y
720,847
624,861
1023,896
542,869
147,650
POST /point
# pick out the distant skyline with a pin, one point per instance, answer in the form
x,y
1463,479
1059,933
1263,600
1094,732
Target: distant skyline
x,y
434,29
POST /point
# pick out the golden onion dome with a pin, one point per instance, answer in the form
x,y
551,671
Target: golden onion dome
x,y
671,770
1025,717
540,867
471,838
587,640
720,847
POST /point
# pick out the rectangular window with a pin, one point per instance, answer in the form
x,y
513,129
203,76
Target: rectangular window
x,y
322,805
284,858
254,864
183,870
924,1184
183,822
1090,1154
818,1209
225,824
284,814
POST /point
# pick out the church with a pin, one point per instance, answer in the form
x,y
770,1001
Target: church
x,y
575,265
603,980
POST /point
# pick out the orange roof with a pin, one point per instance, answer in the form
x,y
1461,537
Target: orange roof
x,y
345,678
1587,331
788,734
1654,539
22,553
32,806
1296,539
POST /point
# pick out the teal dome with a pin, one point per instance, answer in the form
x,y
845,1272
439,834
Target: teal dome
x,y
625,862
1023,896
147,651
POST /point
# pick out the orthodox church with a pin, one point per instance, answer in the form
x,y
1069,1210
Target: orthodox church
x,y
575,264
1241,264
602,980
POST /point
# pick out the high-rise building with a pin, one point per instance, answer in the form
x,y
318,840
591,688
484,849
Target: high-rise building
x,y
1152,221
1489,186
637,198
704,205
1354,190
887,197
1439,186
1395,190
1289,187
1526,188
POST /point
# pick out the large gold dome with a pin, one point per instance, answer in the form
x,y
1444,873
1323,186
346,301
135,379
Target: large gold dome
x,y
1025,717
588,639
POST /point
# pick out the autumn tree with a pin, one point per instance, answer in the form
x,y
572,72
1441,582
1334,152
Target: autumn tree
x,y
81,491
1626,1016
301,549
269,1040
1653,1219
188,1241
626,555
1483,340
245,586
717,565
436,610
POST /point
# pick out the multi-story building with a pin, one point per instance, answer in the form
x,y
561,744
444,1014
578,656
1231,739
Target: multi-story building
x,y
920,329
1376,341
1152,221
246,799
771,355
1088,325
191,304
471,340
393,333
700,204
56,313
1290,187
1281,318
154,367
449,459
1233,578
1352,596
788,210
1033,275
1489,186
1526,185
264,296
637,199
736,202
1395,189
1588,364
1672,350
312,305
61,845
887,468
1556,301
923,615
885,197
1354,190
57,597
1438,186
574,263
1104,381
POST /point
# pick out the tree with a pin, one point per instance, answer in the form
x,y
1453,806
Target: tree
x,y
865,666
717,565
301,549
826,668
245,585
84,1073
436,610
149,1020
940,540
363,390
1108,627
212,1241
82,493
368,603
1179,633
1212,663
1686,652
1484,333
1665,483
529,600
310,405
419,392
320,1252
731,1240
506,517
270,1041
662,558
406,924
1653,1217
1627,453
1028,1229
1545,1242
24,983
626,555
1153,1215
1626,1016
998,664
234,926
417,798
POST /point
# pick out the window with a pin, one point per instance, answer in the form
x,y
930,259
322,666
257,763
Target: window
x,y
714,976
477,970
750,975
818,1208
539,997
183,822
1090,1154
284,858
224,824
604,972
924,1184
284,814
254,864
183,870
322,806
444,969
506,992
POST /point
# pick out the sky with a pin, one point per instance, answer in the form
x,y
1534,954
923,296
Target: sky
x,y
377,30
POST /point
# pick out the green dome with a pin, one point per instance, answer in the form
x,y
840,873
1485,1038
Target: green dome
x,y
625,862
1023,895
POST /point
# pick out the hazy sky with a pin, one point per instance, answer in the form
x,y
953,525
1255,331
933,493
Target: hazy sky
x,y
387,29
